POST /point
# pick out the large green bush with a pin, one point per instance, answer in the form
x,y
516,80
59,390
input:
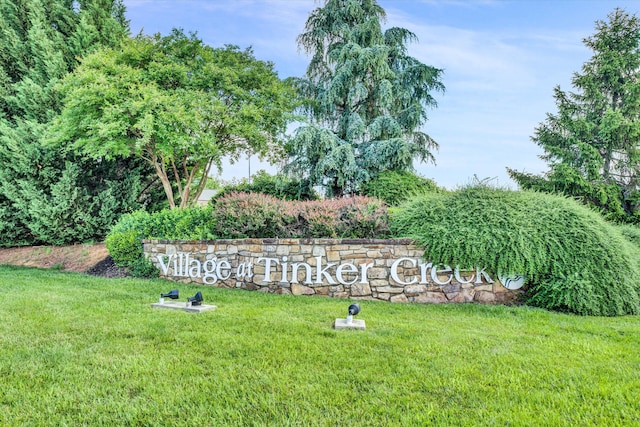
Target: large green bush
x,y
396,187
631,232
573,259
124,241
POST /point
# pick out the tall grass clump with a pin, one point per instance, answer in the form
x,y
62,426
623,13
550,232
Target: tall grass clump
x,y
573,259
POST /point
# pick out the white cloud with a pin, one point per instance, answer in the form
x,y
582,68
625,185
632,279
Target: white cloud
x,y
499,74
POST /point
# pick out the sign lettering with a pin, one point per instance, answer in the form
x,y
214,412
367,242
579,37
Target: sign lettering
x,y
404,271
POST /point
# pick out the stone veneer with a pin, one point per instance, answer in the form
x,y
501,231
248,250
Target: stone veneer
x,y
368,273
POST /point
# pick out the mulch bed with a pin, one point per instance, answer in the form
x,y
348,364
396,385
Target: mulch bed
x,y
107,268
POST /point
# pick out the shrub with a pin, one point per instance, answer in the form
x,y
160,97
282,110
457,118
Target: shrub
x,y
278,186
124,241
396,187
125,247
631,233
573,259
314,219
240,215
187,224
356,217
364,217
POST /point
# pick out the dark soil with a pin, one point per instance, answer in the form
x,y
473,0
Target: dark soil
x,y
107,268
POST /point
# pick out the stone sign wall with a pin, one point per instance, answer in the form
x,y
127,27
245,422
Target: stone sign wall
x,y
389,270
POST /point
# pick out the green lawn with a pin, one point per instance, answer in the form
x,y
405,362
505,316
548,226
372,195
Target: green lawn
x,y
78,350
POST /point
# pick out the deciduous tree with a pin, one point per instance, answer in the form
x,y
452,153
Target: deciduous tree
x,y
176,103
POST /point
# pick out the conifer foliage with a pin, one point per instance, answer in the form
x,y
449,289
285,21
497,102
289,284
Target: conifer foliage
x,y
591,143
366,98
49,195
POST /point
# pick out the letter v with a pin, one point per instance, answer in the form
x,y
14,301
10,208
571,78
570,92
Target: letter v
x,y
164,267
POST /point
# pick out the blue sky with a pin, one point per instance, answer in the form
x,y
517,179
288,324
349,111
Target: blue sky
x,y
501,61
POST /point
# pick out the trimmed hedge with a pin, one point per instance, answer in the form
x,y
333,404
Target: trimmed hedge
x,y
573,259
241,215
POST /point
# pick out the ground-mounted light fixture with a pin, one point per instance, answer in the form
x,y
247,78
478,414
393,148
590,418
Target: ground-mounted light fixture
x,y
353,310
350,322
173,294
195,300
193,304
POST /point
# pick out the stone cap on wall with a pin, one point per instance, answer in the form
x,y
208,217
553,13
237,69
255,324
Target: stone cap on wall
x,y
287,241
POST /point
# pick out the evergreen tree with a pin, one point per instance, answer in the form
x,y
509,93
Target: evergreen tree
x,y
44,192
592,143
367,98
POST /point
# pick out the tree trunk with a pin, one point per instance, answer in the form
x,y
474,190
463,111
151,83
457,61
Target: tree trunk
x,y
166,184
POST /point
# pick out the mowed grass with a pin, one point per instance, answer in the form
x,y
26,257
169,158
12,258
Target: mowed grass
x,y
79,350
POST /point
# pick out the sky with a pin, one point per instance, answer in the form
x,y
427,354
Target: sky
x,y
501,60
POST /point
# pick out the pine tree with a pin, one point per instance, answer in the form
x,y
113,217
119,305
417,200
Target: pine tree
x,y
592,142
367,98
40,42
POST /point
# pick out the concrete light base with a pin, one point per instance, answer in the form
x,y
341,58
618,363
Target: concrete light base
x,y
354,324
183,306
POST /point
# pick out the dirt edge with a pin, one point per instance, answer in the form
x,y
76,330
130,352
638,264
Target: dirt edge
x,y
92,259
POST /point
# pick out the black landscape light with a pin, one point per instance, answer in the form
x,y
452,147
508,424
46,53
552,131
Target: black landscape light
x,y
196,299
173,294
349,322
354,309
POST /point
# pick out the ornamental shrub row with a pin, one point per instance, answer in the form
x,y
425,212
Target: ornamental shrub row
x,y
240,215
573,259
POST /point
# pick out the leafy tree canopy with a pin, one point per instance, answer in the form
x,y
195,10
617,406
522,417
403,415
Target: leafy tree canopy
x,y
366,98
176,103
591,143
